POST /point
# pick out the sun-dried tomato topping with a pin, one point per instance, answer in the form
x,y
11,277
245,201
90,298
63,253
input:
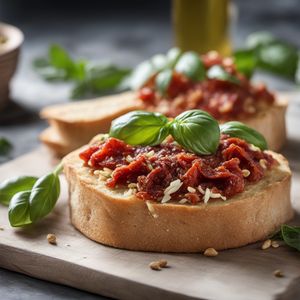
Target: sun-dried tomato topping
x,y
152,169
224,100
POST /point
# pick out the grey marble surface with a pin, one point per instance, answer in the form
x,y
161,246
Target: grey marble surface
x,y
124,38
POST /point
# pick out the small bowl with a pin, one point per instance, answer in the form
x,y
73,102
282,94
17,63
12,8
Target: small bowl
x,y
11,39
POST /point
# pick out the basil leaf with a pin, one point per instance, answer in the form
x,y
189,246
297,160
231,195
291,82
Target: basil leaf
x,y
278,58
219,73
159,62
44,195
14,185
5,146
140,128
163,80
197,131
240,130
173,56
191,66
291,236
259,38
245,61
100,80
141,74
18,211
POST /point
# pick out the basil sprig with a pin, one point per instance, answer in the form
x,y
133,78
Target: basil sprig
x,y
268,53
30,198
195,130
240,130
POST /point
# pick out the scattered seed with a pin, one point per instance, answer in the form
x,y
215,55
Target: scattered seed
x,y
191,189
246,173
278,273
158,265
210,252
68,245
266,244
51,238
263,163
275,244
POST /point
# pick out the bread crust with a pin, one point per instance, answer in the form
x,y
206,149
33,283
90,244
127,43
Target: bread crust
x,y
109,217
73,125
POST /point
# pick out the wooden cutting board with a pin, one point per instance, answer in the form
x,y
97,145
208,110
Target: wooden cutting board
x,y
245,273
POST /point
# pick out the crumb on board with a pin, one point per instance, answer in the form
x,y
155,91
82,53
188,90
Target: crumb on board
x,y
158,265
210,252
266,244
51,238
275,244
278,273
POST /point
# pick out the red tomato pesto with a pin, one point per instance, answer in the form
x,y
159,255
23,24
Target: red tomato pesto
x,y
168,172
224,100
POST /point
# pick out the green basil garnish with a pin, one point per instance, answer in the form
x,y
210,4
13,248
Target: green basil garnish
x,y
173,56
219,73
10,187
19,209
245,61
159,62
5,146
141,75
291,236
191,66
242,131
30,199
140,128
43,196
196,131
163,80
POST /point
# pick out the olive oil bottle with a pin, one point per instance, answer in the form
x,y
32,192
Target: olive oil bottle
x,y
202,25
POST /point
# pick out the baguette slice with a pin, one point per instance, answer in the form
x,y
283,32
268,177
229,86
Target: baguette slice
x,y
74,124
112,218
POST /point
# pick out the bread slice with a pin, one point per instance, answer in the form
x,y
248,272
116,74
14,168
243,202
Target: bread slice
x,y
74,124
112,218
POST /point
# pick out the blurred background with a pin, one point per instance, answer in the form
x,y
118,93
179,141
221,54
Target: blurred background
x,y
122,32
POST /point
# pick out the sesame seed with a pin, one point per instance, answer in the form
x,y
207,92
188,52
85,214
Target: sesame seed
x,y
263,163
278,273
132,185
151,209
206,195
182,201
210,252
275,244
266,244
246,172
201,190
191,189
150,154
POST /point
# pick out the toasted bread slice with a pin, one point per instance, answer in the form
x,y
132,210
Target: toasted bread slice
x,y
74,124
112,218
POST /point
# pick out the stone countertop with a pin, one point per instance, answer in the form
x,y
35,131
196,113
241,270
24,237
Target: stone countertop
x,y
125,39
